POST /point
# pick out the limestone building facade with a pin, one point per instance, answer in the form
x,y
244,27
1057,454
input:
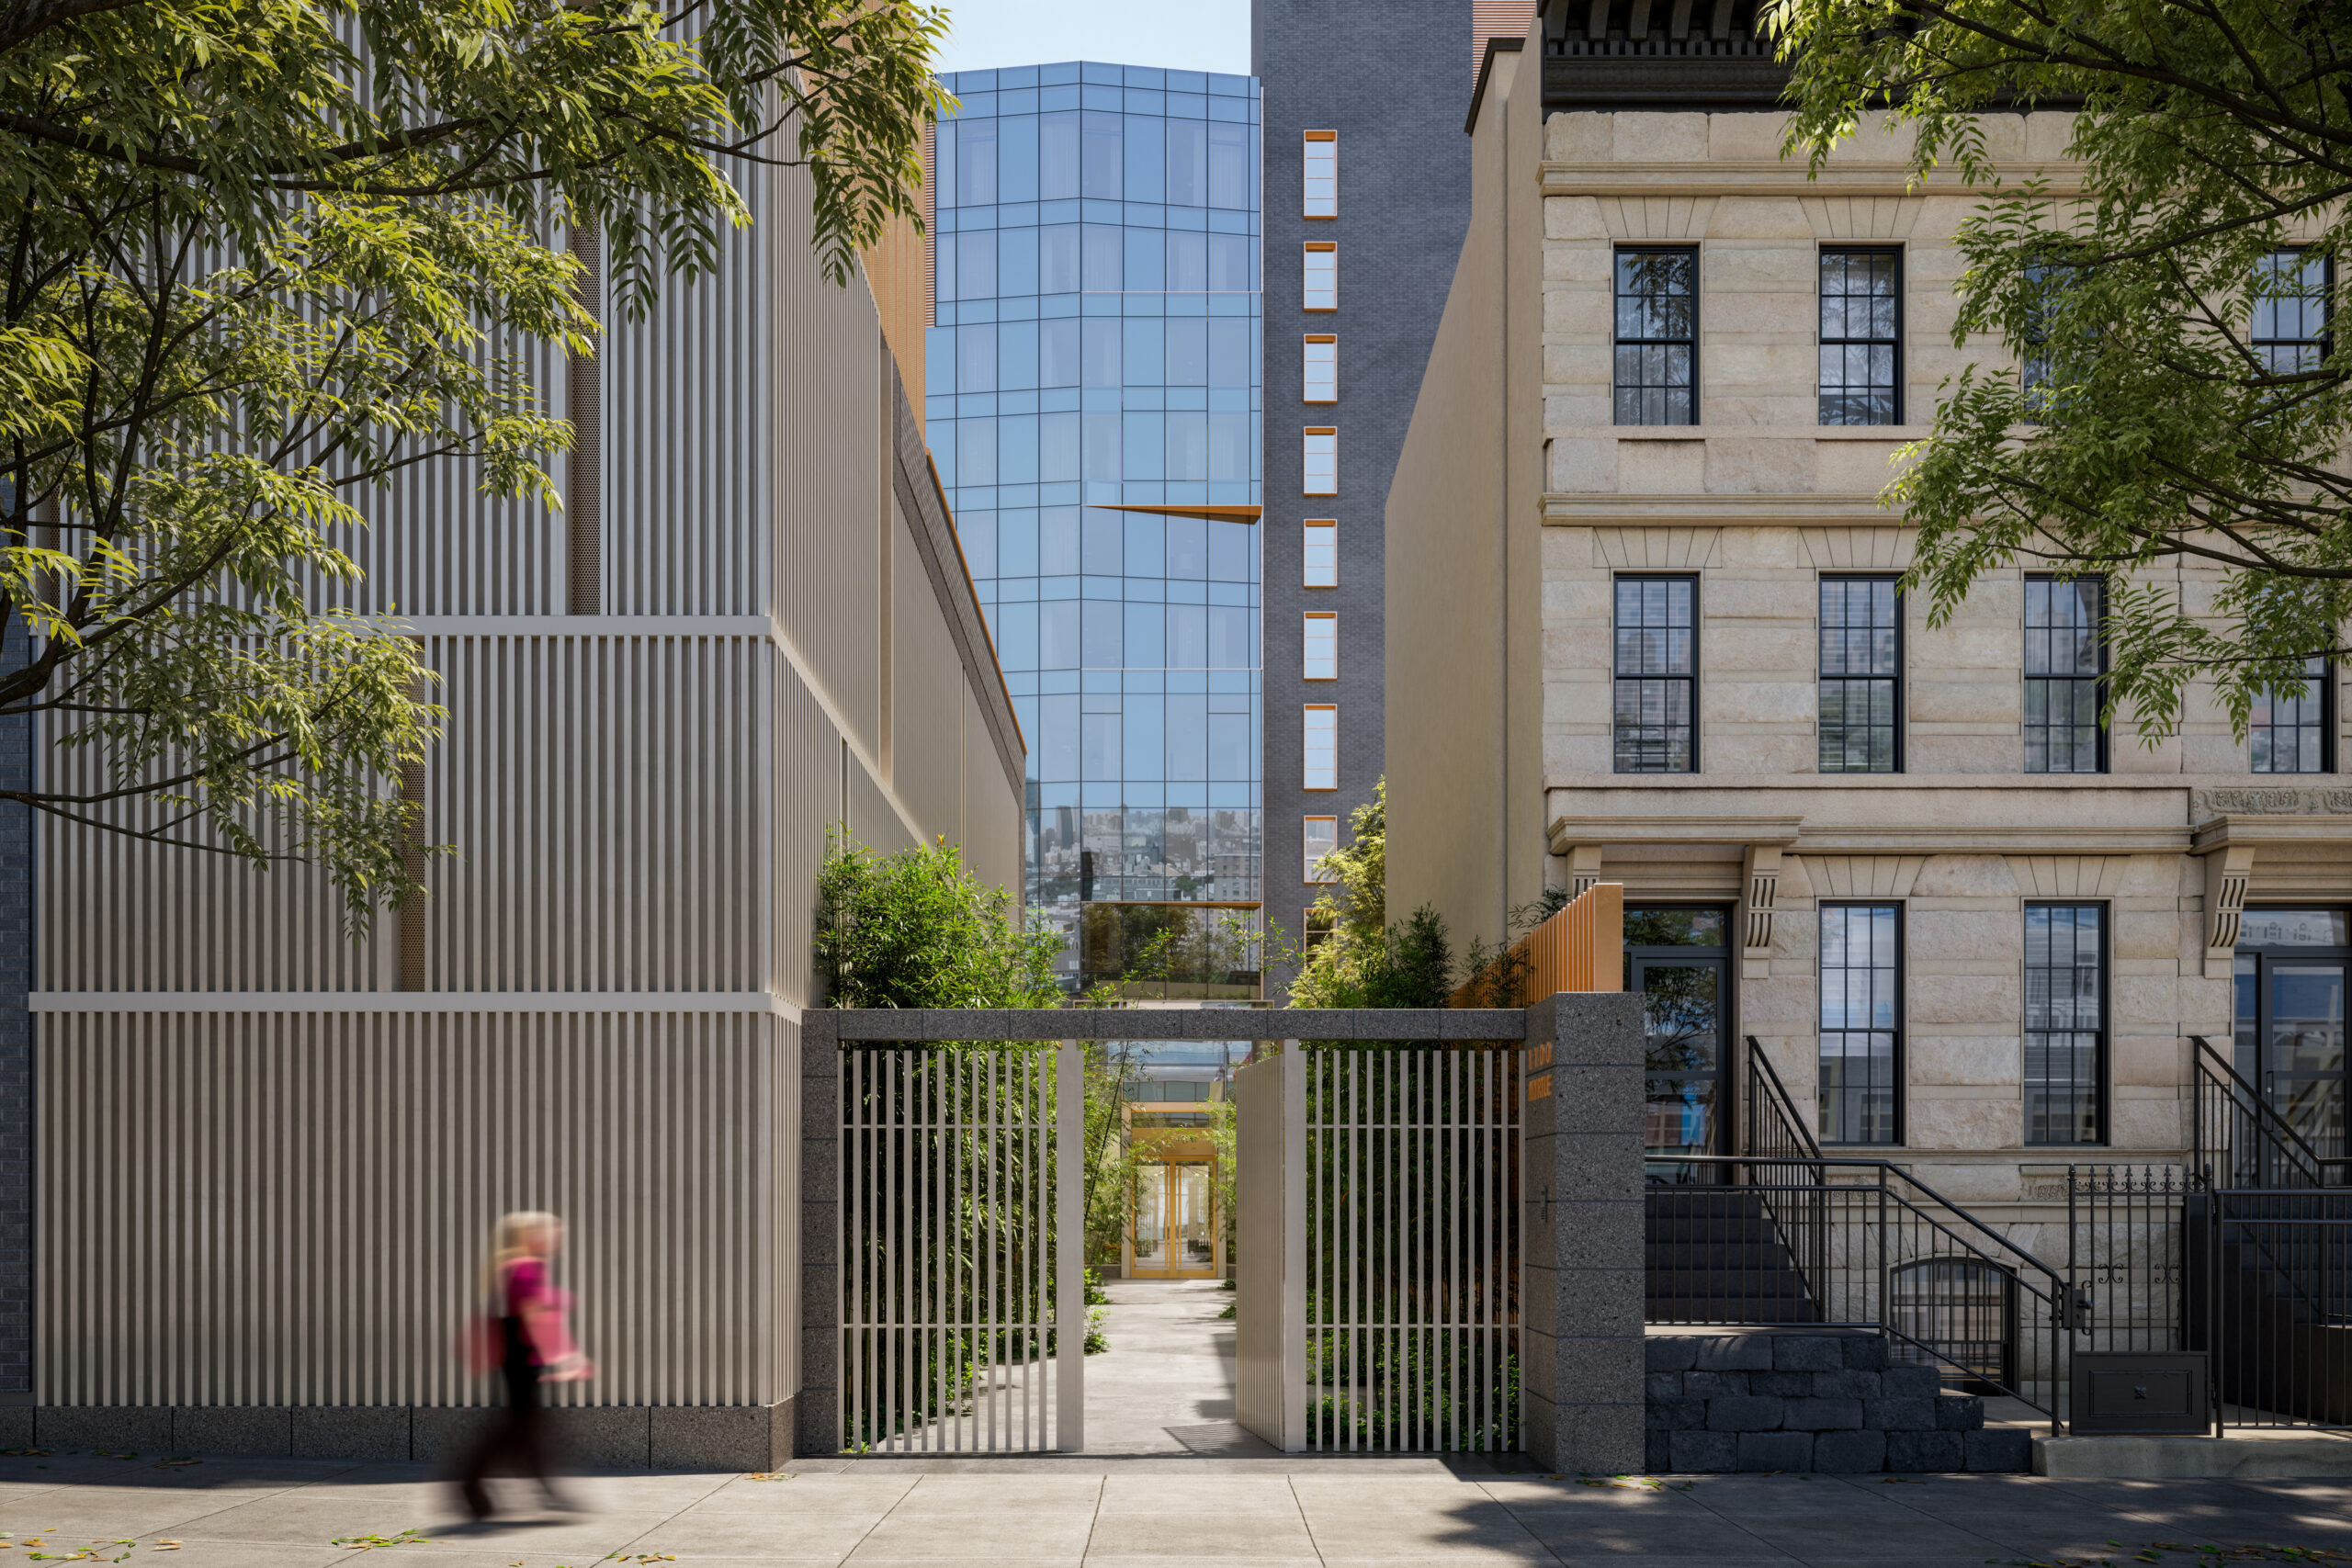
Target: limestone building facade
x,y
1643,626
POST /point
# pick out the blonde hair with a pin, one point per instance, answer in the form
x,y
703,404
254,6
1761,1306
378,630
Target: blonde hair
x,y
507,1245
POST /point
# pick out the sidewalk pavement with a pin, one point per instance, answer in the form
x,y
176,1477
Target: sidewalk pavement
x,y
1133,1513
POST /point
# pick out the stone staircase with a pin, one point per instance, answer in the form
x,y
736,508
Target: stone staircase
x,y
1714,1256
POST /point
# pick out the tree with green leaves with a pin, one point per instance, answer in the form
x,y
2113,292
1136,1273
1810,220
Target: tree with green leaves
x,y
1360,960
916,930
2152,425
261,257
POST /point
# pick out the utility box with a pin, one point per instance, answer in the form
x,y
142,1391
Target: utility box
x,y
2140,1392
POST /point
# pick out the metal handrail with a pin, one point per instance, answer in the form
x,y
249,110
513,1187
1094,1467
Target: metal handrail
x,y
2295,1152
1765,1089
1968,1237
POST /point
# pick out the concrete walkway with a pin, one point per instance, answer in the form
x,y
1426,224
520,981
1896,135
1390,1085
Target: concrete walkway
x,y
1165,1386
1140,1513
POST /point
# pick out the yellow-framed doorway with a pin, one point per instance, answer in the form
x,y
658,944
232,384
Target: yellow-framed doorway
x,y
1174,1231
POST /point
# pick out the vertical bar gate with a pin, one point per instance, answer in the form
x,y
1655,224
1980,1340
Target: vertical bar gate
x,y
963,1257
1411,1174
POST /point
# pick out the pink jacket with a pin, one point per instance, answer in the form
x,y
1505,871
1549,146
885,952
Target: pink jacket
x,y
541,1307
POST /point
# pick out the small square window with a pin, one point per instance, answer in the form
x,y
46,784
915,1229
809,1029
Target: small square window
x,y
1322,835
1322,170
1322,460
1322,275
1320,757
1322,366
1321,642
1322,552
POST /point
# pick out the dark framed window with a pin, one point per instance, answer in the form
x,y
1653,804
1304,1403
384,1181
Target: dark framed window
x,y
1657,336
2290,310
2292,730
2065,656
1861,676
2050,287
1861,337
1861,1023
2065,1023
1657,675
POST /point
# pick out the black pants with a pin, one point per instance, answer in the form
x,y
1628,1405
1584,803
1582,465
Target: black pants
x,y
517,1440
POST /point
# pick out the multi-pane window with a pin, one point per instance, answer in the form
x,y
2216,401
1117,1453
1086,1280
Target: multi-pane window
x,y
1322,645
1657,664
1320,924
2291,310
1322,285
1861,675
1322,837
2289,729
2065,654
2065,1022
1862,294
1322,460
1322,148
1322,365
1862,1021
1322,552
1657,336
1321,746
2049,286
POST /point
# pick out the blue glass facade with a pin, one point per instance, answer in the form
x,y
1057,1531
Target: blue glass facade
x,y
1095,353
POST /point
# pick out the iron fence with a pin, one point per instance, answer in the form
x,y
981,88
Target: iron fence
x,y
2125,1240
2269,1299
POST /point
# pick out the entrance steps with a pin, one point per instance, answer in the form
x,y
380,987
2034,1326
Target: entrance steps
x,y
1714,1255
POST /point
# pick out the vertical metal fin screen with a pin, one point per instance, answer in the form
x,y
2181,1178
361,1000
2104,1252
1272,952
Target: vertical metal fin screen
x,y
1412,1247
952,1277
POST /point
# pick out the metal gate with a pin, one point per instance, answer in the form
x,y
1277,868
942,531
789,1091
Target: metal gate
x,y
962,1254
1380,1247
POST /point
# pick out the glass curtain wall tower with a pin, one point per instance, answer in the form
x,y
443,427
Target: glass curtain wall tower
x,y
1095,414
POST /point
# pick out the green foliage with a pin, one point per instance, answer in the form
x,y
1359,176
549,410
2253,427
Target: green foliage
x,y
1113,1162
1224,1180
914,930
1361,866
264,256
1365,962
2149,430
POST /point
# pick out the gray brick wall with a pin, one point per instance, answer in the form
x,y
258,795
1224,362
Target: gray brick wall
x,y
1391,77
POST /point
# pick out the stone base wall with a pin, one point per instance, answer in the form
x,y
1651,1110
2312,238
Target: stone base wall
x,y
670,1436
1829,1403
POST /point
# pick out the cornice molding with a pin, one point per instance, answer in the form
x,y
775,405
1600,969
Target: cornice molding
x,y
1774,177
1571,510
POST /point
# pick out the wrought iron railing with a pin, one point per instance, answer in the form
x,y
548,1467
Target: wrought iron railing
x,y
2269,1298
1773,1129
2124,1246
1872,1248
2239,1140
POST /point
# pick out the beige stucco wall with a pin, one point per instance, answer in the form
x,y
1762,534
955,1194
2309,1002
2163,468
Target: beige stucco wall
x,y
1464,541
269,1156
1758,501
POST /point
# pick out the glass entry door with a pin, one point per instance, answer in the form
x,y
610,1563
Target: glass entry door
x,y
2291,973
1675,961
1174,1235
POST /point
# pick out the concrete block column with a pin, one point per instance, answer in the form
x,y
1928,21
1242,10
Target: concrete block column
x,y
1582,1265
818,1406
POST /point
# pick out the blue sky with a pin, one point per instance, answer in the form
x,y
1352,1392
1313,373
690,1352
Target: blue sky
x,y
1198,35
